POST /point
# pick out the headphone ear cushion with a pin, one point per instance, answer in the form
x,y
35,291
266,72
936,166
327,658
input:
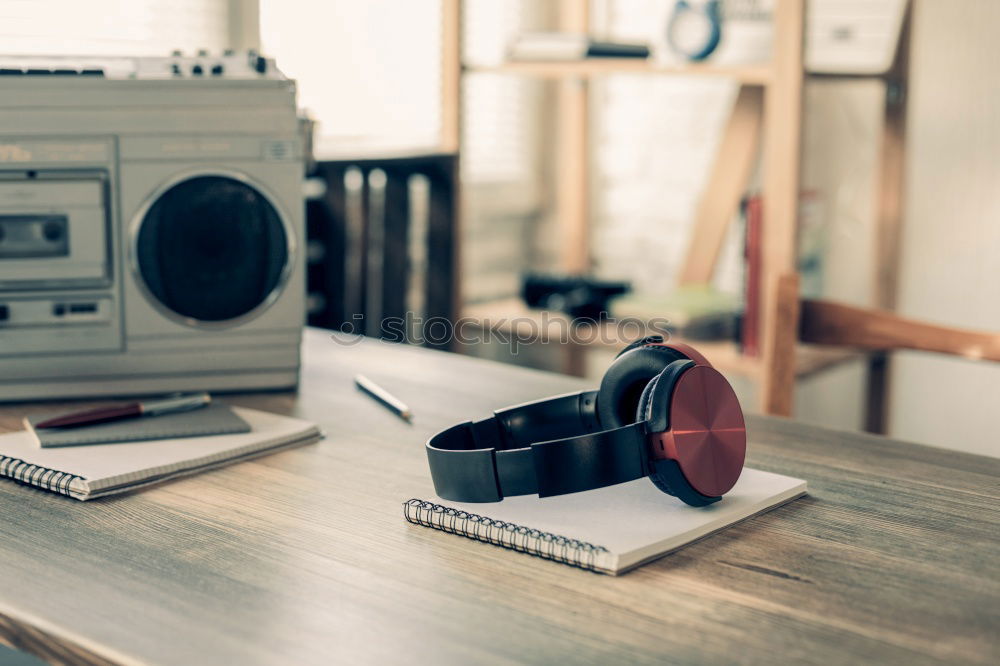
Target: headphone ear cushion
x,y
624,382
644,411
661,482
668,477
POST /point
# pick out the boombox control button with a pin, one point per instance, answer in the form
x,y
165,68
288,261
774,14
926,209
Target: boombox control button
x,y
197,70
217,70
52,231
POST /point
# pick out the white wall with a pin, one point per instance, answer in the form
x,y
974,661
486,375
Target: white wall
x,y
112,27
368,72
951,244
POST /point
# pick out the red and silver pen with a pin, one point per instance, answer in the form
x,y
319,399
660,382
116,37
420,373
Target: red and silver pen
x,y
180,403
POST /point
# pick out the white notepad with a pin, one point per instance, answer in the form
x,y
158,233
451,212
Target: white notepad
x,y
86,472
608,530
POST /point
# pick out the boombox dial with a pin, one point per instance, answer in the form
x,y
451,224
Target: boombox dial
x,y
212,249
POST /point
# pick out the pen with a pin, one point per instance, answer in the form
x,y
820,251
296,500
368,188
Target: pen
x,y
390,401
177,403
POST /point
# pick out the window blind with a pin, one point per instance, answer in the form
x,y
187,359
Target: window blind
x,y
368,72
112,27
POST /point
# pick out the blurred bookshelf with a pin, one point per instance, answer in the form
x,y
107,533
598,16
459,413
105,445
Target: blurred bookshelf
x,y
766,120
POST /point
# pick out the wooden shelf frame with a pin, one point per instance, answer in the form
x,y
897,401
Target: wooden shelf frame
x,y
755,75
769,105
781,80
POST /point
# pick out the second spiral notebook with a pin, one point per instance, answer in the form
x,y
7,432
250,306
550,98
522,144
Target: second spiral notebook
x,y
608,530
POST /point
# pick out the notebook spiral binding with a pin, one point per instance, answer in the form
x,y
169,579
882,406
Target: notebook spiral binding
x,y
506,535
36,475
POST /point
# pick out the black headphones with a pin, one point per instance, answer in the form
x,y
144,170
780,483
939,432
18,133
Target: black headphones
x,y
662,411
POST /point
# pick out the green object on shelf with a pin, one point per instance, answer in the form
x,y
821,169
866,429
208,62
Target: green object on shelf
x,y
694,312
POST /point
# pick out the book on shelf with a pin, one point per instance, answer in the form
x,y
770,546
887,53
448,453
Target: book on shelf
x,y
750,326
567,47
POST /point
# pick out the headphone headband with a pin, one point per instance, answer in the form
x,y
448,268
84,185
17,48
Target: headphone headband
x,y
528,449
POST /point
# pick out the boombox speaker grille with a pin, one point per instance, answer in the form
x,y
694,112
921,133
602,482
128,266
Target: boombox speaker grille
x,y
212,248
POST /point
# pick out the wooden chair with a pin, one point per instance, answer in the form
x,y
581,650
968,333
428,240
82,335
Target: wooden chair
x,y
827,323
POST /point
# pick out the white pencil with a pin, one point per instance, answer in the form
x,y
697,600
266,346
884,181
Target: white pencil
x,y
381,395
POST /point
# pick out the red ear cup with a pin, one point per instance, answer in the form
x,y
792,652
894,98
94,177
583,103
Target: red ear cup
x,y
667,475
698,439
706,434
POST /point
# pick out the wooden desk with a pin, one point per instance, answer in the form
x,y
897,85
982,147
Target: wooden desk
x,y
304,557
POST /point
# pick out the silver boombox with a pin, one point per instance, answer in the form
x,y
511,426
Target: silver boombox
x,y
151,226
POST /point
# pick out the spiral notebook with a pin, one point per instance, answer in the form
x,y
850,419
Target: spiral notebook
x,y
609,530
87,472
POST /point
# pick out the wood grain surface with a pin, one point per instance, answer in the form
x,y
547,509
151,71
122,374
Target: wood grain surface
x,y
304,557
